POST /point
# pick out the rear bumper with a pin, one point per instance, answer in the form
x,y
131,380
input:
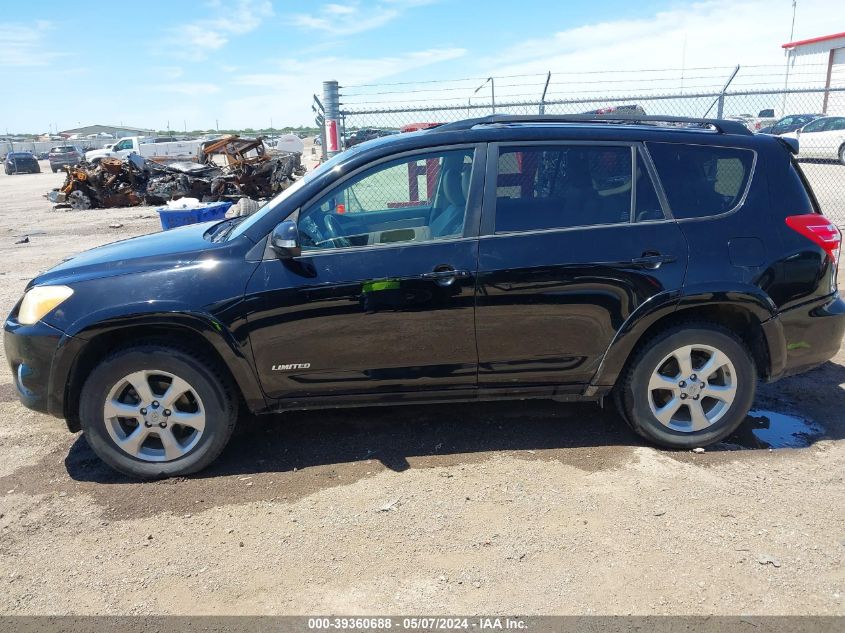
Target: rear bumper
x,y
41,358
812,334
25,168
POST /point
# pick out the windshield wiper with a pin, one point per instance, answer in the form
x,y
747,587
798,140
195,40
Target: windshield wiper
x,y
220,232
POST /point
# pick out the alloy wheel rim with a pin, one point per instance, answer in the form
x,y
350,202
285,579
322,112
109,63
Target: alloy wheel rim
x,y
692,388
154,415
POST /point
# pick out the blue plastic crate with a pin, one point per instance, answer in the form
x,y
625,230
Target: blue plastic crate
x,y
171,218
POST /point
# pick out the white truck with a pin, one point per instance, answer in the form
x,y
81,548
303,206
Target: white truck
x,y
160,150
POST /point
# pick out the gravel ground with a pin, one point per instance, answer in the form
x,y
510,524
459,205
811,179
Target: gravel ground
x,y
526,507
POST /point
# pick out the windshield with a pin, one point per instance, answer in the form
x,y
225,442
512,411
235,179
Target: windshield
x,y
330,164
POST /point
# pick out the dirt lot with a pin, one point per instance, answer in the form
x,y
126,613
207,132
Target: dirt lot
x,y
508,508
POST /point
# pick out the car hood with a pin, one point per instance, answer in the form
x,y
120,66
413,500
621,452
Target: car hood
x,y
173,248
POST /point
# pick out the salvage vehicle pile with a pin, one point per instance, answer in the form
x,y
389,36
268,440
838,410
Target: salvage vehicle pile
x,y
249,171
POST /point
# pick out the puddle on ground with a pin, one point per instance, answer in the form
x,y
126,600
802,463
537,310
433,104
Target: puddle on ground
x,y
770,429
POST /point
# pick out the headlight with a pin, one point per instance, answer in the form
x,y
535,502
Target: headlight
x,y
40,300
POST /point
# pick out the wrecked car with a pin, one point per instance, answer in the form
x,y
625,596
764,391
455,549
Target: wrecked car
x,y
230,168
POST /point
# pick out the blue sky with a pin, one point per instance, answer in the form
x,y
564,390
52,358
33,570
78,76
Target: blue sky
x,y
244,62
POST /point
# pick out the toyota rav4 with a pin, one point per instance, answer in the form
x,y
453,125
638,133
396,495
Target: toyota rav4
x,y
668,264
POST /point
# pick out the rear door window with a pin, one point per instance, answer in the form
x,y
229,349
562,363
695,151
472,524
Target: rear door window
x,y
701,180
561,186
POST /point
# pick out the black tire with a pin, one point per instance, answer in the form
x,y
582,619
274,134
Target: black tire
x,y
54,169
211,385
842,154
633,396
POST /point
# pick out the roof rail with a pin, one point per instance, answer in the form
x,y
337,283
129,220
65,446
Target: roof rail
x,y
721,126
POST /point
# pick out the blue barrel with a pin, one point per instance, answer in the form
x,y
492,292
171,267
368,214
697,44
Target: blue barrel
x,y
171,218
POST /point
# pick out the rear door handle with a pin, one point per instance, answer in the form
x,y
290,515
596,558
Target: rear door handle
x,y
652,261
446,274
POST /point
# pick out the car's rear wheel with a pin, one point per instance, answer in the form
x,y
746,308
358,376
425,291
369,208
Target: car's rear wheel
x,y
842,154
155,411
689,386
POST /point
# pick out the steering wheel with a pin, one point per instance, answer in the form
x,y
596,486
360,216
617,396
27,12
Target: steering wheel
x,y
334,232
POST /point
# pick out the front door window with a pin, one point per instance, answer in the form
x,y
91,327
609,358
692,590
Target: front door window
x,y
420,198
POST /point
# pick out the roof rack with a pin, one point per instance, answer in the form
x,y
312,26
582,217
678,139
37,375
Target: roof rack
x,y
721,126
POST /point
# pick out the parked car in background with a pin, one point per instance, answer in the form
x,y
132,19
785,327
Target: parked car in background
x,y
414,127
823,139
161,149
788,123
620,109
763,119
366,134
64,155
21,163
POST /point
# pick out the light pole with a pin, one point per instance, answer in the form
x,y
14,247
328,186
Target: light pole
x,y
492,92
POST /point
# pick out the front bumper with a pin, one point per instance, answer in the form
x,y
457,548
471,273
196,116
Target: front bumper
x,y
41,358
812,334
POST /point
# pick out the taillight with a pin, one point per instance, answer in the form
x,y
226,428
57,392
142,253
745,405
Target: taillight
x,y
818,229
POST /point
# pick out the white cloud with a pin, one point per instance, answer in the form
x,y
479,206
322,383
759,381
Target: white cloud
x,y
349,70
349,19
195,40
339,9
286,95
190,88
713,36
25,45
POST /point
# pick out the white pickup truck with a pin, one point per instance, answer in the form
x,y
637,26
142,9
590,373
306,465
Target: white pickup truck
x,y
160,150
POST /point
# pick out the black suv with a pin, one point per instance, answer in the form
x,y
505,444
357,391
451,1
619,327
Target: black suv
x,y
668,263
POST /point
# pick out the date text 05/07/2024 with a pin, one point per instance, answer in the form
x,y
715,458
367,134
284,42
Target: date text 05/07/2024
x,y
417,623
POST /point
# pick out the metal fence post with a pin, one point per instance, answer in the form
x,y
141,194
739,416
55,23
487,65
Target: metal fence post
x,y
720,107
720,100
331,101
543,98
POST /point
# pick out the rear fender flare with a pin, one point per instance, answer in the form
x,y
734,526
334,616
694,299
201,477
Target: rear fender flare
x,y
749,298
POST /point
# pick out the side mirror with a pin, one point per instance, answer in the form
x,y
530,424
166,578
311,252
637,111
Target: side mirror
x,y
285,240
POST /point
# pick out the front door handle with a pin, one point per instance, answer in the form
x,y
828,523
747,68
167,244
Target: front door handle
x,y
652,260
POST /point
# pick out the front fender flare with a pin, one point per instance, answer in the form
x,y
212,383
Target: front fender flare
x,y
235,353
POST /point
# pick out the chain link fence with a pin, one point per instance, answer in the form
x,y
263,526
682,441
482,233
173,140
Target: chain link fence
x,y
822,142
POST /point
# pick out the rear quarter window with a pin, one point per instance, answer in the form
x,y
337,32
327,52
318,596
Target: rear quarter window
x,y
701,180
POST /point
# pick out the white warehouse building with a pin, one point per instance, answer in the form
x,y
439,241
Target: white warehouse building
x,y
816,62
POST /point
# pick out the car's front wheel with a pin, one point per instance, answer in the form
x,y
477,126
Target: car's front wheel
x,y
689,386
842,154
155,411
